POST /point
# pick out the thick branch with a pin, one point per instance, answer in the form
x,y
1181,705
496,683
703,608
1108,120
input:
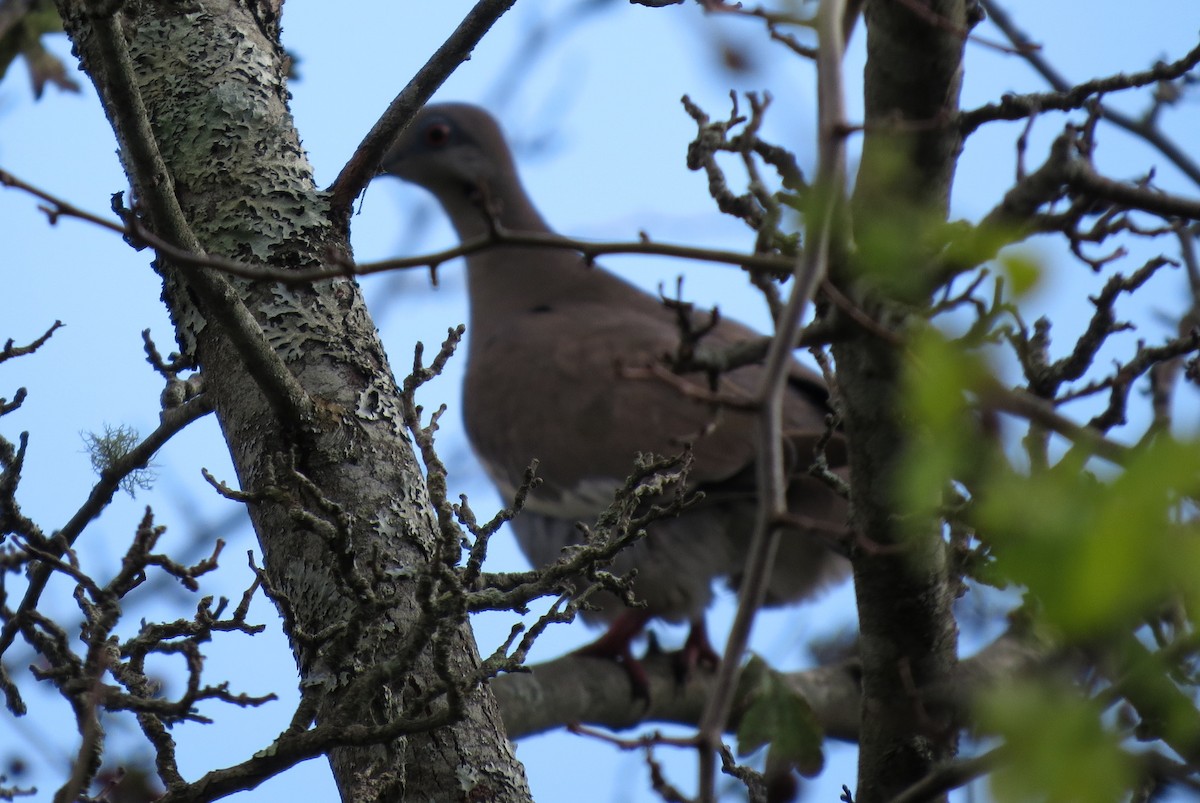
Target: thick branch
x,y
904,596
580,689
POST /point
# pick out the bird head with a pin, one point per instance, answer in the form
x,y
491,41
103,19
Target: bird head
x,y
458,153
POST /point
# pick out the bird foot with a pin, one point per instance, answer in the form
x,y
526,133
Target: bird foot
x,y
616,645
697,651
639,681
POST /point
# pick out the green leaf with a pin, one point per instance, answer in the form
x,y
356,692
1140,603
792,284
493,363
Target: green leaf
x,y
1024,273
893,251
944,437
778,716
1056,747
1098,555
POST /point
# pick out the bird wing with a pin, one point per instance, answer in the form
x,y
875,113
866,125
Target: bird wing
x,y
579,404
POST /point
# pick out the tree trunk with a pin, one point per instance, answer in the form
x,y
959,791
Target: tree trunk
x,y
340,508
908,633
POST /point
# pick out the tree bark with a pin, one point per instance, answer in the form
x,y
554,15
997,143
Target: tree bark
x,y
908,632
340,508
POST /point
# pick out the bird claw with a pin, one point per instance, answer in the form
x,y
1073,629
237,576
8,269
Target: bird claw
x,y
616,645
639,681
697,651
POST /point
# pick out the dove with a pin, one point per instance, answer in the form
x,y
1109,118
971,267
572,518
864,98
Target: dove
x,y
550,341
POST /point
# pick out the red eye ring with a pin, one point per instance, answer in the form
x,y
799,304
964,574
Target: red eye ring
x,y
437,134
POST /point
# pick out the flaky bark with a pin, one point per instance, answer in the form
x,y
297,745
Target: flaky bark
x,y
300,384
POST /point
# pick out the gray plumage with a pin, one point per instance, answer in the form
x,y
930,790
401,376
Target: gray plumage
x,y
546,338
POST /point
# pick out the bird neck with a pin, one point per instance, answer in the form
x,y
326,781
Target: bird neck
x,y
508,280
478,208
511,280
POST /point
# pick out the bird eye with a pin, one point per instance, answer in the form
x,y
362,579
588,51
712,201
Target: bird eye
x,y
437,134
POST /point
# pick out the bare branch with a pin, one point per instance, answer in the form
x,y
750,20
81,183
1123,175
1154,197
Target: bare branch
x,y
1017,107
1144,128
9,351
811,268
173,421
457,48
340,269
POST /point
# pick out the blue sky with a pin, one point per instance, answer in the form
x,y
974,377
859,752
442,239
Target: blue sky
x,y
601,138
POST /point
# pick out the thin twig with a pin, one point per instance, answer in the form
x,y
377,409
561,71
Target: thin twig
x,y
951,776
1040,412
173,421
454,51
1142,128
11,350
498,236
810,269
